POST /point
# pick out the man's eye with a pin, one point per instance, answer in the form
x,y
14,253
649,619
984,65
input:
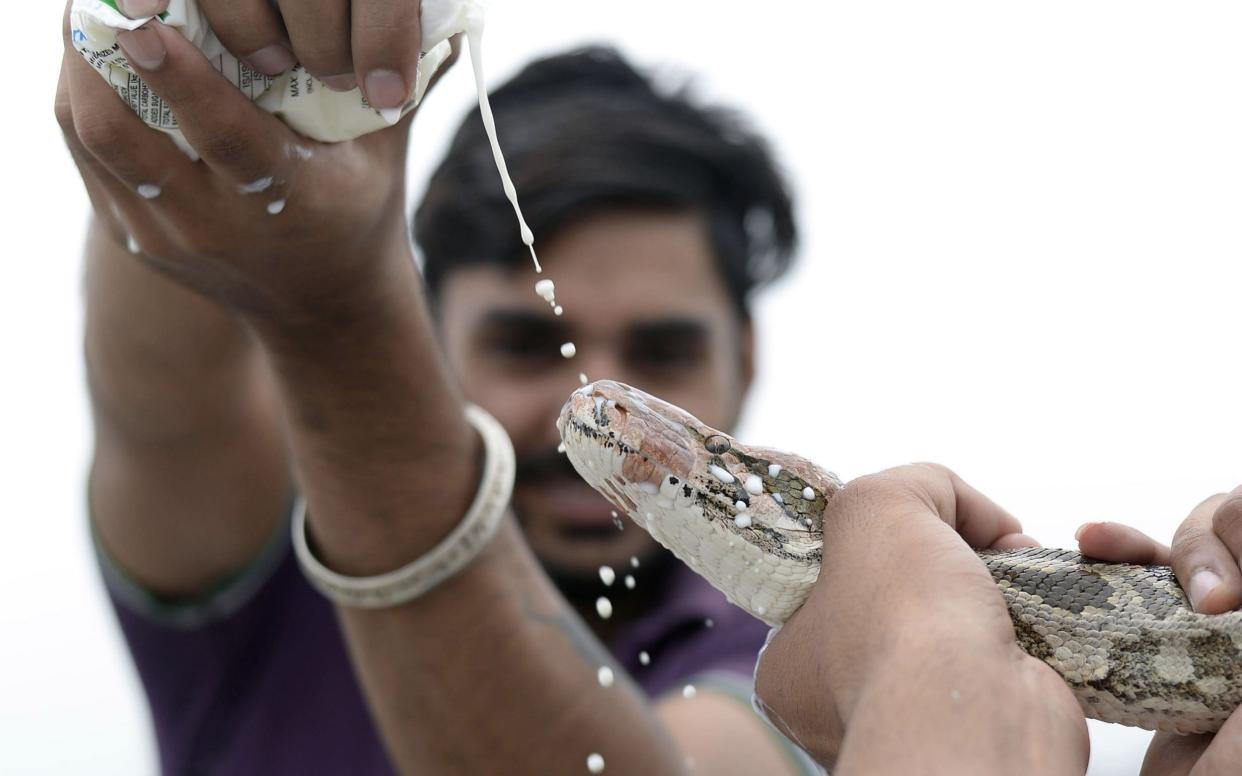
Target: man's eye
x,y
665,356
523,346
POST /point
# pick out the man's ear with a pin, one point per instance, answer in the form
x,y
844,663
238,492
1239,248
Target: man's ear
x,y
746,358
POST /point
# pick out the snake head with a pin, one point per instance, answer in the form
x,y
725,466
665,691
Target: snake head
x,y
619,439
748,519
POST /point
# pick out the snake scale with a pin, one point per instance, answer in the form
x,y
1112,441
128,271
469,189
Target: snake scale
x,y
749,520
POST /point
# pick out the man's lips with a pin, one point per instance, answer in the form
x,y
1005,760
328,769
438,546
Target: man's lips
x,y
572,503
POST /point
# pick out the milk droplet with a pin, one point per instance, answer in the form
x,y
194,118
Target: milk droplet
x,y
595,762
629,582
560,448
603,607
688,691
255,186
778,498
644,658
740,504
558,310
148,190
616,520
569,350
742,521
773,470
607,575
708,623
605,676
721,474
808,494
546,289
634,561
582,378
754,485
133,245
275,206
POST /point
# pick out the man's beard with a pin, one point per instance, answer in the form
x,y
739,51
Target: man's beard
x,y
581,587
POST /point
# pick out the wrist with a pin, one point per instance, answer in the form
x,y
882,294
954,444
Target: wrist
x,y
387,460
964,711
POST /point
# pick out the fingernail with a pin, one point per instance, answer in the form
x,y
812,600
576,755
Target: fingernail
x,y
136,9
272,60
1202,584
386,89
340,83
1078,533
142,47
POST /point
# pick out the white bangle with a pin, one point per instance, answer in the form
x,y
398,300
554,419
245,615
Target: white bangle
x,y
446,558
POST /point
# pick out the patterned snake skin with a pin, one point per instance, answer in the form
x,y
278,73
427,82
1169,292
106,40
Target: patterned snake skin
x,y
749,520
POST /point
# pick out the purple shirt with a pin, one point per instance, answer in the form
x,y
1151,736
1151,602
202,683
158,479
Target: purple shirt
x,y
257,680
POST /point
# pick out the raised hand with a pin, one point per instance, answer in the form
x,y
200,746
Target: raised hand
x,y
261,225
344,43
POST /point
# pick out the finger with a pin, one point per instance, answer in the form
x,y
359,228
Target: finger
x,y
141,9
252,31
1224,752
320,34
1119,543
1014,541
114,138
1170,754
231,134
1204,565
1227,522
978,519
386,39
82,158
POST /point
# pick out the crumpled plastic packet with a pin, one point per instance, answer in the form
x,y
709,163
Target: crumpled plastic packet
x,y
300,100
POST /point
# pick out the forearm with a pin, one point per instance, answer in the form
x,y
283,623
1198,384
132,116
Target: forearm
x,y
492,671
190,472
163,363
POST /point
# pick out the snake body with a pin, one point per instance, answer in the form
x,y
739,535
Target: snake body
x,y
750,520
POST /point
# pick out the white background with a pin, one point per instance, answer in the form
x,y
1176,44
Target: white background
x,y
1021,258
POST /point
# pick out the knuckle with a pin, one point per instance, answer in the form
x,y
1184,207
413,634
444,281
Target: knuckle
x,y
63,110
325,58
1227,521
103,136
1188,541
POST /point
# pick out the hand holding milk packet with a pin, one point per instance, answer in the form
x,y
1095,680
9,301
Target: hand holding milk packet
x,y
299,99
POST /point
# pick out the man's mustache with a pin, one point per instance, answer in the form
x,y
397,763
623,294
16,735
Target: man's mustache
x,y
543,466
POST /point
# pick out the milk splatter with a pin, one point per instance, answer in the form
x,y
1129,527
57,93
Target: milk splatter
x,y
603,607
605,676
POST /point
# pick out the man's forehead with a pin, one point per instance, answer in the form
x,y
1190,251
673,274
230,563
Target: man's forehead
x,y
486,293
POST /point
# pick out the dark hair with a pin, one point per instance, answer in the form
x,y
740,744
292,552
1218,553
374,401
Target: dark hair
x,y
584,132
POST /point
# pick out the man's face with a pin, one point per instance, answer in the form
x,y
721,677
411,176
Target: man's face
x,y
645,305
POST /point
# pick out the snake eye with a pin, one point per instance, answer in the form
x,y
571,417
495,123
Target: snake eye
x,y
717,444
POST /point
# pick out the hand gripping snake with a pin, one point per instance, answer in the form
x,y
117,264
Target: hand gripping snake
x,y
750,520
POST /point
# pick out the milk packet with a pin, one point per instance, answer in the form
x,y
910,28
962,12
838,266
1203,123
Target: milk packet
x,y
300,100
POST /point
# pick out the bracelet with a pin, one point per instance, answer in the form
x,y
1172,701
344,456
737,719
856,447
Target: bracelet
x,y
444,560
